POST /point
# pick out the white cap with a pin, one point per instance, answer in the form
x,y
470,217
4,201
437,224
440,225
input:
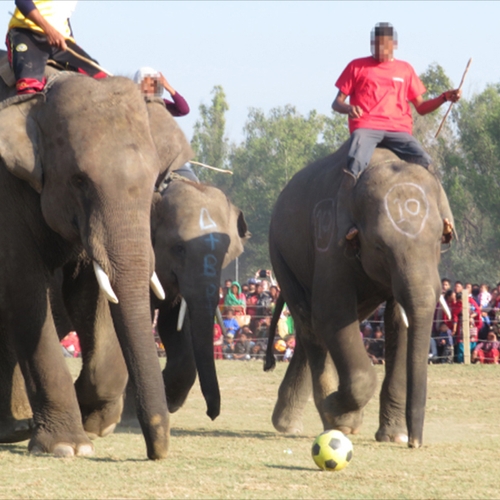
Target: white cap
x,y
143,72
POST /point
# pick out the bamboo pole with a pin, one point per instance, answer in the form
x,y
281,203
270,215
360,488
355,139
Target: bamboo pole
x,y
88,61
451,104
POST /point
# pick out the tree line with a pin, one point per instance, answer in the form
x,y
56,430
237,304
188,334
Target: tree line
x,y
275,146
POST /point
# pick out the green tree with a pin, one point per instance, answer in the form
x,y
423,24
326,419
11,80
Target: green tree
x,y
209,142
275,148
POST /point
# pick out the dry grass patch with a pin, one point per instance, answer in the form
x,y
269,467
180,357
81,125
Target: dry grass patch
x,y
241,456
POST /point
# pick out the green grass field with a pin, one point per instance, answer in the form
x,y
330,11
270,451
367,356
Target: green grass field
x,y
239,455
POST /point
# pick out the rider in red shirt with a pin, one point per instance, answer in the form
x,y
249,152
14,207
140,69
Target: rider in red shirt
x,y
380,89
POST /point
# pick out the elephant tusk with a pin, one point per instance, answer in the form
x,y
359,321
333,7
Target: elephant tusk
x,y
104,284
156,287
404,316
182,314
445,307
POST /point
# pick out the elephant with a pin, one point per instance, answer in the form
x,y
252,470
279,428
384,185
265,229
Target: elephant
x,y
78,166
196,232
330,284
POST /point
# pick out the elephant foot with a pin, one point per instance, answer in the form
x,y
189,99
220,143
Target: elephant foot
x,y
348,423
387,435
286,421
102,421
14,431
63,444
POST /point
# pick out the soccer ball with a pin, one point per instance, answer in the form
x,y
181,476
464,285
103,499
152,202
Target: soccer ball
x,y
332,450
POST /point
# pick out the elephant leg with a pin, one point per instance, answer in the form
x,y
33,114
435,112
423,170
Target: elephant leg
x,y
16,422
392,420
294,392
102,380
180,371
336,323
57,419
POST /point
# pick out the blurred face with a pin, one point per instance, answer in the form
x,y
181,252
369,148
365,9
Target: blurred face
x,y
384,48
259,289
468,287
244,289
251,288
234,289
458,287
150,85
446,285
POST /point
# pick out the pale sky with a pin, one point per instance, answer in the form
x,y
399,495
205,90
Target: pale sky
x,y
272,53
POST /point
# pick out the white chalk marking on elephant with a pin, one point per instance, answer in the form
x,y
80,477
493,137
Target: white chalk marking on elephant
x,y
156,287
445,307
182,315
206,222
407,207
104,284
404,316
324,224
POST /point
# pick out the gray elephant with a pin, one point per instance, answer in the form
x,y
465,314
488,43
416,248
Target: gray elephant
x,y
78,167
401,213
196,232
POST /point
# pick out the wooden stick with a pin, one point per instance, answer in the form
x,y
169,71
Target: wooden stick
x,y
212,168
451,104
88,61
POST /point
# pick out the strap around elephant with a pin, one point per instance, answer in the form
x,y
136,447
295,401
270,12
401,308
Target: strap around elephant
x,y
21,98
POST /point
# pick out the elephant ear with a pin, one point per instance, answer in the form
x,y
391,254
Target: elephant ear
x,y
19,138
171,144
238,232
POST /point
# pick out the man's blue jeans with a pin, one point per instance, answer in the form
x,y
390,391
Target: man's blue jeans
x,y
364,141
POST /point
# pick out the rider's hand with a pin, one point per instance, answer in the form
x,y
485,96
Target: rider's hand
x,y
453,95
55,38
355,112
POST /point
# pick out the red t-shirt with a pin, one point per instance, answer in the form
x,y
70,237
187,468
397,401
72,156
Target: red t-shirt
x,y
383,90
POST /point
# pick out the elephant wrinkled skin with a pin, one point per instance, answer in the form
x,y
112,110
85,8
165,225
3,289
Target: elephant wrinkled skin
x,y
398,209
77,172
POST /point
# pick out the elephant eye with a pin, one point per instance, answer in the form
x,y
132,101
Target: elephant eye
x,y
79,181
178,250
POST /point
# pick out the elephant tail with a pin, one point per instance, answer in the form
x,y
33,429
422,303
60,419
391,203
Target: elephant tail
x,y
270,361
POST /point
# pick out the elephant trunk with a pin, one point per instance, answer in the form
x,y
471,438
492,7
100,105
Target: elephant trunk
x,y
128,264
201,317
418,299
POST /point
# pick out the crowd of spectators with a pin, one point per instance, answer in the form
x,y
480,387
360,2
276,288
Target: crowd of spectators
x,y
446,345
247,310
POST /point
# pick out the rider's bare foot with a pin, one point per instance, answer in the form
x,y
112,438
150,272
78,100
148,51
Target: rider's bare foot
x,y
447,231
352,233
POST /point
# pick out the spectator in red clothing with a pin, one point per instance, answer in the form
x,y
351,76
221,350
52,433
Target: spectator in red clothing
x,y
218,341
71,345
487,352
152,83
380,89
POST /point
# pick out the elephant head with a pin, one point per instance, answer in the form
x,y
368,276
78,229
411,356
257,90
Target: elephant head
x,y
196,232
403,215
85,146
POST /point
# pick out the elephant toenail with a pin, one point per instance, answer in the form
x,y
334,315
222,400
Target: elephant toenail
x,y
86,450
63,450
